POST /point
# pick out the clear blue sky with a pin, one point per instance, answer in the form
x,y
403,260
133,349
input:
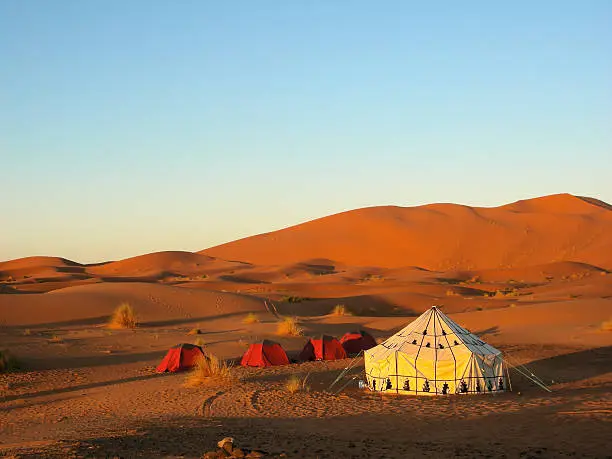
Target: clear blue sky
x,y
134,126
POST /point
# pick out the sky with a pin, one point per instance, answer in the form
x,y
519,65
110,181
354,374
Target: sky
x,y
147,125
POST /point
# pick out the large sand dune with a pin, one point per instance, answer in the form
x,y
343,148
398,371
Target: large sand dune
x,y
442,236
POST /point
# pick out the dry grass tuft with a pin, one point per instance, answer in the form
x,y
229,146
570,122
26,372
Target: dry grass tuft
x,y
195,331
250,319
289,327
210,370
606,325
27,332
295,384
123,317
341,310
7,362
56,339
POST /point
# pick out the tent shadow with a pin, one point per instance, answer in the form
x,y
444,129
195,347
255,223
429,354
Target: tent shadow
x,y
567,368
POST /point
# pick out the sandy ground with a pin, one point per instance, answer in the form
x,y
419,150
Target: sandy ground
x,y
93,392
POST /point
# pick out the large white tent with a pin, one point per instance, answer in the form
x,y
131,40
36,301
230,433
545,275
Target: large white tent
x,y
434,355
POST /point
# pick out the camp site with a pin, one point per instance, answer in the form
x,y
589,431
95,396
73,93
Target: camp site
x,y
305,229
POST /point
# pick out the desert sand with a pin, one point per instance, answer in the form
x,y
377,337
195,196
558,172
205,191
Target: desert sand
x,y
532,278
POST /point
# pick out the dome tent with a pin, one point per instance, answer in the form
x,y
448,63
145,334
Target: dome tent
x,y
433,355
181,357
264,354
323,347
357,341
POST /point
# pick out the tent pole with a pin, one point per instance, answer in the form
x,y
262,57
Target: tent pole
x,y
396,375
346,370
530,378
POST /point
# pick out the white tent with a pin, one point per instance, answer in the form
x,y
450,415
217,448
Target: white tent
x,y
433,355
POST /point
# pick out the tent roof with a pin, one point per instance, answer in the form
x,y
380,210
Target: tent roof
x,y
433,331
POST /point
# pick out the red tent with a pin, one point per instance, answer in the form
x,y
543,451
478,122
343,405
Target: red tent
x,y
355,342
264,354
323,348
181,357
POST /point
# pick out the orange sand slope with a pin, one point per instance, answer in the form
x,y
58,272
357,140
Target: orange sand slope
x,y
443,236
93,304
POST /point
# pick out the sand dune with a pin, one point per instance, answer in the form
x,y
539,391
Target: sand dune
x,y
40,267
36,262
163,264
442,236
94,303
537,273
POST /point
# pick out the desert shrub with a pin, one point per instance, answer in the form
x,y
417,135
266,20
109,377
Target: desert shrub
x,y
372,277
289,327
27,332
451,293
210,370
606,325
295,384
340,310
8,362
56,339
194,331
250,319
123,317
506,292
293,299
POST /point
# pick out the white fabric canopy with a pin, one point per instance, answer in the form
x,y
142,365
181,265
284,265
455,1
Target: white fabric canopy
x,y
434,355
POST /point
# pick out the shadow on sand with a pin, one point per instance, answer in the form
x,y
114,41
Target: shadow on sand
x,y
523,433
79,387
567,368
87,361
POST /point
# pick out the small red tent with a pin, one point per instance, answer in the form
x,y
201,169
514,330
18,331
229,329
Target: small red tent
x,y
323,348
264,354
181,357
355,342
